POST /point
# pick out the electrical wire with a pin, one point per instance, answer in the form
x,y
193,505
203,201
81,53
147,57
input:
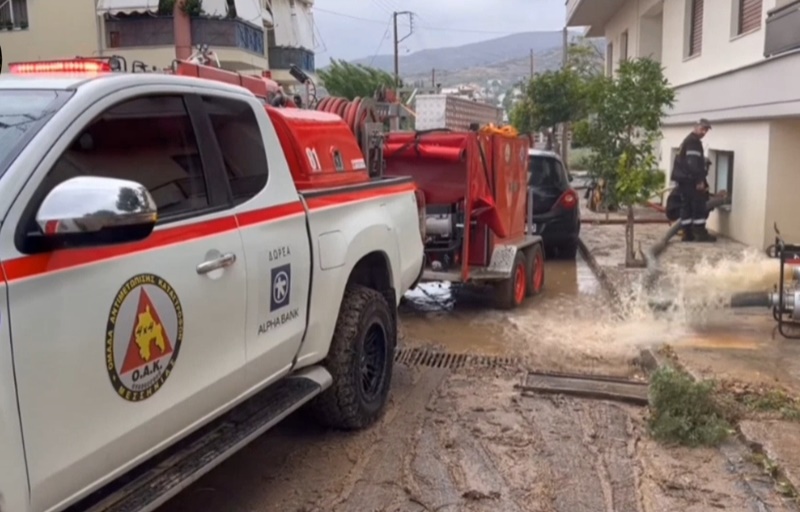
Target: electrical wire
x,y
426,27
380,45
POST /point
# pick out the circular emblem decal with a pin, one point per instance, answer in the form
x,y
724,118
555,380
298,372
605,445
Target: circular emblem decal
x,y
143,336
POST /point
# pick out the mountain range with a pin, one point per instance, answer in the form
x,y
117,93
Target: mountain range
x,y
505,58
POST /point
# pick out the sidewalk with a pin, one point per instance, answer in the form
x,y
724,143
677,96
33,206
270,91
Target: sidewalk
x,y
737,350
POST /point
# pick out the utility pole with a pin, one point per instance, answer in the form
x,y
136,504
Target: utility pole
x,y
398,40
565,126
531,63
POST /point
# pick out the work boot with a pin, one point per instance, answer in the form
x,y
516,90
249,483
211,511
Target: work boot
x,y
701,234
686,234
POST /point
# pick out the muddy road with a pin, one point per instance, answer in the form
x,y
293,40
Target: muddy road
x,y
466,440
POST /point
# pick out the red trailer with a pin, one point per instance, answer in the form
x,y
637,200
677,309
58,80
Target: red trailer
x,y
479,181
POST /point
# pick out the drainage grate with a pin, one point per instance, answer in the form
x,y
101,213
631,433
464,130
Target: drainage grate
x,y
435,359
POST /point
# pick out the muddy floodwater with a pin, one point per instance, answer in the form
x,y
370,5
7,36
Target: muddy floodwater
x,y
466,439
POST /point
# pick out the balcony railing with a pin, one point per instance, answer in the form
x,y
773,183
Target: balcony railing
x,y
138,31
282,57
782,29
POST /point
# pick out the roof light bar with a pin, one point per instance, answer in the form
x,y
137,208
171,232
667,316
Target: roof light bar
x,y
60,66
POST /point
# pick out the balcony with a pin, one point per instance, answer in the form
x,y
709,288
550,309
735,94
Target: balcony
x,y
782,29
128,32
592,13
282,57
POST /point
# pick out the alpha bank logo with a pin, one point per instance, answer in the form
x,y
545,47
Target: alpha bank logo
x,y
281,287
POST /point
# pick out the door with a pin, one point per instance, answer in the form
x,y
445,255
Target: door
x,y
121,348
272,222
549,181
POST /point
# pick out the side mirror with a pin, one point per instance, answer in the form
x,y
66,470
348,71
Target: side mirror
x,y
96,211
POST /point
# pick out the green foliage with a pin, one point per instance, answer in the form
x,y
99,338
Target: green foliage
x,y
685,412
354,80
585,59
550,99
623,130
190,7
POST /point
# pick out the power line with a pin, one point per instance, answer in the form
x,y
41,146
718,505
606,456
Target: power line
x,y
426,27
383,38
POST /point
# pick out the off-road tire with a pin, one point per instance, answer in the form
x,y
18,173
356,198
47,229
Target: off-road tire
x,y
506,292
535,255
343,405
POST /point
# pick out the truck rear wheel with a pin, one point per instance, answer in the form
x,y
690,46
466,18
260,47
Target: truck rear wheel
x,y
535,258
361,359
511,292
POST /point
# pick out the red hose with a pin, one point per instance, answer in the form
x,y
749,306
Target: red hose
x,y
354,113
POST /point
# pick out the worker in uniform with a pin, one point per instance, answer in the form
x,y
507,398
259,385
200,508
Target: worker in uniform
x,y
675,204
689,171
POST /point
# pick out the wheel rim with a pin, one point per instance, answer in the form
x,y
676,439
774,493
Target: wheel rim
x,y
538,271
519,284
373,362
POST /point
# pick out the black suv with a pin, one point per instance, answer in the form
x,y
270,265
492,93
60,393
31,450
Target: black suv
x,y
556,206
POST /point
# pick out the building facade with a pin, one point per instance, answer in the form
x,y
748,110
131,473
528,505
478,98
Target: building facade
x,y
733,62
244,34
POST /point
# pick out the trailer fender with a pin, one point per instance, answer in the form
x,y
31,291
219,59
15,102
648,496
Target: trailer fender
x,y
502,261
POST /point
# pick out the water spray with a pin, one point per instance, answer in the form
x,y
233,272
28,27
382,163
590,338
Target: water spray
x,y
784,299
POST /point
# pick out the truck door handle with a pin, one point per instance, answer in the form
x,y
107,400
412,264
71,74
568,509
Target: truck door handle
x,y
226,260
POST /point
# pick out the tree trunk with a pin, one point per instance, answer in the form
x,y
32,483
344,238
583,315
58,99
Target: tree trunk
x,y
630,251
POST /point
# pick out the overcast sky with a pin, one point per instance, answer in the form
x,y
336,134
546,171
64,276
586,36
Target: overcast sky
x,y
350,29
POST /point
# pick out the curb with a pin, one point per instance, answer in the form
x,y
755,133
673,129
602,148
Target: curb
x,y
600,273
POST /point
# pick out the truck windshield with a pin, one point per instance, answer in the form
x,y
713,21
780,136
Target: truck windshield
x,y
22,115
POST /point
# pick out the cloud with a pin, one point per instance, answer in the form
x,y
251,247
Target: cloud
x,y
437,23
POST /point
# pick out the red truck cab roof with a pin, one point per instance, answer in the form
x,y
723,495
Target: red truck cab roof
x,y
320,148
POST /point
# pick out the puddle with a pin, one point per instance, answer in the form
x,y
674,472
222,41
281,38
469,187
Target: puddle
x,y
464,321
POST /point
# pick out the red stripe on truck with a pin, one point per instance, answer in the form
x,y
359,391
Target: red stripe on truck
x,y
45,263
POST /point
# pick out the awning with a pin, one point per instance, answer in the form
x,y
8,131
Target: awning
x,y
246,10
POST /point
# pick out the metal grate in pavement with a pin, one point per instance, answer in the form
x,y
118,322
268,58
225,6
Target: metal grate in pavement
x,y
435,359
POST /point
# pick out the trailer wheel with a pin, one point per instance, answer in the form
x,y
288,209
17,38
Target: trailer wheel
x,y
511,292
361,359
535,270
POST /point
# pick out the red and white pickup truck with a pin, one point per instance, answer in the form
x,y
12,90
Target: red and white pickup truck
x,y
182,267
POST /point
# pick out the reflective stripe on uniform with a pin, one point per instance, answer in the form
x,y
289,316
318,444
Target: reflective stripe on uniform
x,y
693,152
686,222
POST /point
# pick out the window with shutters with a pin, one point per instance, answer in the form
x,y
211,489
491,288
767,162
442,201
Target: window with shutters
x,y
623,46
694,40
748,15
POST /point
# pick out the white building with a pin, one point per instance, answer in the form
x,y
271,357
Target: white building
x,y
736,63
246,35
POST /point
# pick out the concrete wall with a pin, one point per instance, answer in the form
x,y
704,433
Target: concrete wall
x,y
746,220
721,50
783,180
57,29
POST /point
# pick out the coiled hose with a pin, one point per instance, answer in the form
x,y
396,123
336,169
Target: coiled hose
x,y
355,113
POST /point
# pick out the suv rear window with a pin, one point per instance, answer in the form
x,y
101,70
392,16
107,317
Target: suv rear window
x,y
547,172
22,114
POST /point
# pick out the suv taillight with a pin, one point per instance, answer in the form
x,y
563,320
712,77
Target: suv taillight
x,y
568,199
420,195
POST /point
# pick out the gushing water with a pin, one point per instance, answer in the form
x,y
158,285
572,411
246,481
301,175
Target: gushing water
x,y
699,298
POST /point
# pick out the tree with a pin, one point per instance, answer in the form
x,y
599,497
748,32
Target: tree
x,y
549,99
623,129
354,80
585,58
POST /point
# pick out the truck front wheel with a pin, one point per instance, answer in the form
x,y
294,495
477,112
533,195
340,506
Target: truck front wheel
x,y
361,359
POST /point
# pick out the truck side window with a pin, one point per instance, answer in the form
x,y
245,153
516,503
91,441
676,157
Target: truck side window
x,y
241,144
149,140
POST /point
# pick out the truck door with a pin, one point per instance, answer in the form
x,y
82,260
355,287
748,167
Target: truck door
x,y
121,348
272,223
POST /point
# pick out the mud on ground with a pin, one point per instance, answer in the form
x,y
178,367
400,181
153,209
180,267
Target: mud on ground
x,y
467,440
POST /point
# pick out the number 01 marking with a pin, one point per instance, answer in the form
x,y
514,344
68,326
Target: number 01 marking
x,y
313,159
